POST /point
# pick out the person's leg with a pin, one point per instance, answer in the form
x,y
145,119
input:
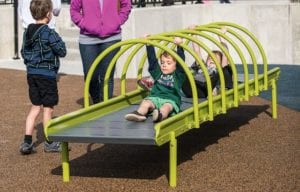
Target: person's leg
x,y
166,110
145,107
47,115
167,2
103,68
224,1
31,118
88,55
34,96
141,3
50,146
49,98
162,113
199,2
27,145
141,114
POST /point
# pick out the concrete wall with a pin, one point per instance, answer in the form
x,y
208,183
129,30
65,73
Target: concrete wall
x,y
277,26
6,32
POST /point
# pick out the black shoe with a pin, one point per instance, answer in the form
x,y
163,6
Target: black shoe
x,y
156,116
135,116
52,147
26,148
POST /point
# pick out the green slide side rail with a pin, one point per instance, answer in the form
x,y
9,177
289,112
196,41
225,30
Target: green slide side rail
x,y
237,37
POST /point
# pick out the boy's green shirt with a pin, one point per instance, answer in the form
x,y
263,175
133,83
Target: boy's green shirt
x,y
166,86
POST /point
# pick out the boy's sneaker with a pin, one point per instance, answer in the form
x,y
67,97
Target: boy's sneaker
x,y
156,116
26,148
52,147
146,83
135,116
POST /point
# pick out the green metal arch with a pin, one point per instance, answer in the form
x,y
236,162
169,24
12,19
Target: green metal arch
x,y
250,51
231,62
204,69
259,46
240,53
111,65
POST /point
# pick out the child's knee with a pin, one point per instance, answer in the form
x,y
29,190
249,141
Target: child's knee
x,y
48,110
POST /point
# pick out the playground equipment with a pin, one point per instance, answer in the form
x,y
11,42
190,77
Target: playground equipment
x,y
105,123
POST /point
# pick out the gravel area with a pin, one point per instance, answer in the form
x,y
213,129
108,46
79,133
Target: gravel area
x,y
243,150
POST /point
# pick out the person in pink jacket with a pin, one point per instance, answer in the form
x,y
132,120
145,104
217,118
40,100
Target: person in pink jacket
x,y
100,24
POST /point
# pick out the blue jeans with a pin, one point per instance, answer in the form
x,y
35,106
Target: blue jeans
x,y
88,53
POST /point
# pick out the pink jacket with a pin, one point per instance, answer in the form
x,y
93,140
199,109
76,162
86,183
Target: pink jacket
x,y
87,15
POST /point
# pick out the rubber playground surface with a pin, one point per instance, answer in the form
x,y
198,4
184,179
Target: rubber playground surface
x,y
243,150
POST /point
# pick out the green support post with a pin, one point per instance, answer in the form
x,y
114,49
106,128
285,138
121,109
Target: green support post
x,y
173,160
65,162
274,98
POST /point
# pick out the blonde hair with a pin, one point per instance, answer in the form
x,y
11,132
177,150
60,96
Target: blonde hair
x,y
216,52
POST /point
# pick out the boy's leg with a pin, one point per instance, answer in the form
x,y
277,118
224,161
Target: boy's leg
x,y
27,146
146,106
31,117
50,146
140,114
162,113
47,115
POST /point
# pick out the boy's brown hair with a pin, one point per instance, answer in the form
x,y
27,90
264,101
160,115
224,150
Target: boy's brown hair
x,y
166,54
40,8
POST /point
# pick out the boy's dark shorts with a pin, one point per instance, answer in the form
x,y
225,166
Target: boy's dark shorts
x,y
42,90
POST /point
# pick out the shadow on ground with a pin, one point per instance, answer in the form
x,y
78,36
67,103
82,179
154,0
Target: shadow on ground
x,y
151,162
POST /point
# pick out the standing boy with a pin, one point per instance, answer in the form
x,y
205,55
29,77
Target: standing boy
x,y
41,50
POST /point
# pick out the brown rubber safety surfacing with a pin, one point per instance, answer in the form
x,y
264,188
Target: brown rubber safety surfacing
x,y
244,150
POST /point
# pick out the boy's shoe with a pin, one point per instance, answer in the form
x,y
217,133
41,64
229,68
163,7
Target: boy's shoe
x,y
26,148
135,116
156,116
52,147
146,83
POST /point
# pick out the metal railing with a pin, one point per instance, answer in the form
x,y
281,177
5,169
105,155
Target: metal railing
x,y
134,2
4,2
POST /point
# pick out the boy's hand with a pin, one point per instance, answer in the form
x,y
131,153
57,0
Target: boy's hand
x,y
177,40
192,27
224,30
145,36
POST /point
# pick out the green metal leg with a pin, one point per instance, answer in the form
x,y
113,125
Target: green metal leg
x,y
65,162
274,99
173,160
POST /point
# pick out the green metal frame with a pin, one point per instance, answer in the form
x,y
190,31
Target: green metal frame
x,y
169,129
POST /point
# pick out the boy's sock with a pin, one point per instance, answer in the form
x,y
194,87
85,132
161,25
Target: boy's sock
x,y
28,139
